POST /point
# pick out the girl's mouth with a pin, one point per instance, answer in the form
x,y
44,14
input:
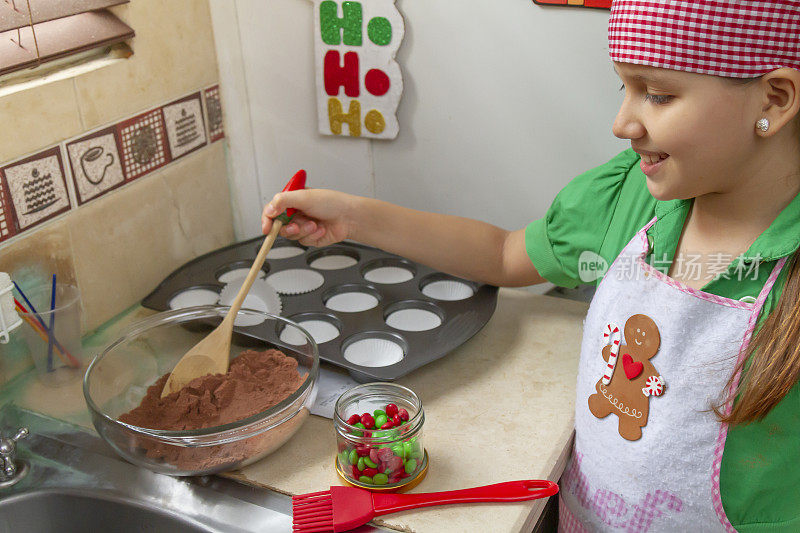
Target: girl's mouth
x,y
651,163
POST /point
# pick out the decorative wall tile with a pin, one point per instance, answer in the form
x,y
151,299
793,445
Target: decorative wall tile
x,y
144,144
95,164
214,114
186,130
37,188
6,216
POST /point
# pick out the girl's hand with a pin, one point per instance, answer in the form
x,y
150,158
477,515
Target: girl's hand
x,y
323,217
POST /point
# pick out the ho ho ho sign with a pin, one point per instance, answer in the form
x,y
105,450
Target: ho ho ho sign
x,y
359,83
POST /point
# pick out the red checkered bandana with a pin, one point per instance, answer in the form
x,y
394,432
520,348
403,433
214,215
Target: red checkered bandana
x,y
736,39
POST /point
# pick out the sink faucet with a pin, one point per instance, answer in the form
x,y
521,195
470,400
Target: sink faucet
x,y
9,473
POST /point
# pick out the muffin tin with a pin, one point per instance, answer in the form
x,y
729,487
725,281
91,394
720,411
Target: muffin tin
x,y
376,314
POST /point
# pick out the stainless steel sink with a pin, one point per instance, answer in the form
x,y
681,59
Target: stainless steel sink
x,y
65,511
76,483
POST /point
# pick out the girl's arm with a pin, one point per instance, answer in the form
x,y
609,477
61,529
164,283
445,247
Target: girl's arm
x,y
459,246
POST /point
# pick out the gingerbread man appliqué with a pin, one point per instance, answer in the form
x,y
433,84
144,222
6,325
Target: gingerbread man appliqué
x,y
626,391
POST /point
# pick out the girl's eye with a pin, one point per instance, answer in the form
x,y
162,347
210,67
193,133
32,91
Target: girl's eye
x,y
658,99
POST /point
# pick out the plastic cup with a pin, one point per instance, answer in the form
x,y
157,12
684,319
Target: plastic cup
x,y
58,357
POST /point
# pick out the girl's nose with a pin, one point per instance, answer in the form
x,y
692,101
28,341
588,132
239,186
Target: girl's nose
x,y
627,124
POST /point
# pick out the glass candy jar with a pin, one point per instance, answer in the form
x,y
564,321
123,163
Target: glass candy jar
x,y
379,437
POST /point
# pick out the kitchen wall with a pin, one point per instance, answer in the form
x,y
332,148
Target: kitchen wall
x,y
118,243
505,101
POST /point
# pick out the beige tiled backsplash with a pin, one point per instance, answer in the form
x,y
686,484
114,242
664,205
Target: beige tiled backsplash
x,y
165,202
43,185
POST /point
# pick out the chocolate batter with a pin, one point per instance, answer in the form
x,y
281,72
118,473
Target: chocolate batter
x,y
255,382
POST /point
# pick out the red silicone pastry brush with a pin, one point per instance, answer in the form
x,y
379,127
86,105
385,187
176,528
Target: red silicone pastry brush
x,y
345,508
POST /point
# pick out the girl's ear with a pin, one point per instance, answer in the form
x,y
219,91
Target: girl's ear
x,y
781,98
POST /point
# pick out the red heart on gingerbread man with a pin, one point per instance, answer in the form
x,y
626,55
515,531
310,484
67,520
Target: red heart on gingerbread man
x,y
631,369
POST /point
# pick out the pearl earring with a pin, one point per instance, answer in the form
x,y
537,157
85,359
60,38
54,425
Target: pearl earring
x,y
762,124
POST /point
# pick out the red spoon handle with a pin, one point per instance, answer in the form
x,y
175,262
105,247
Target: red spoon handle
x,y
510,491
298,181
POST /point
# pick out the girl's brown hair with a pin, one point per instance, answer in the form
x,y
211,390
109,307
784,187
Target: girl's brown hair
x,y
770,367
771,364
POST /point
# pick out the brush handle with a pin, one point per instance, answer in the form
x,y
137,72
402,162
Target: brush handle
x,y
510,491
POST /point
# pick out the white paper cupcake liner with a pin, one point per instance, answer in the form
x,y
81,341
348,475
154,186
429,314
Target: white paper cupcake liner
x,y
295,280
284,252
414,320
351,302
388,274
333,262
448,290
261,297
320,330
374,352
193,297
237,273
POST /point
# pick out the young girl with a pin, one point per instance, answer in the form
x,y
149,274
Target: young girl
x,y
685,420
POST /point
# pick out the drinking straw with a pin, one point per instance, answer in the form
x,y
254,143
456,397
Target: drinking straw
x,y
51,333
65,356
41,322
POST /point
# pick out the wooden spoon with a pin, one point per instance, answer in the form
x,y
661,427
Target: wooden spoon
x,y
212,354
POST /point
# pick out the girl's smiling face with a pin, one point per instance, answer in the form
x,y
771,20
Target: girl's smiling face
x,y
695,132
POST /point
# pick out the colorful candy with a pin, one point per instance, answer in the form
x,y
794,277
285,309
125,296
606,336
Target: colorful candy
x,y
381,464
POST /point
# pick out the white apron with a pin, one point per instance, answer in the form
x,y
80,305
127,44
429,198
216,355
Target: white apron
x,y
667,479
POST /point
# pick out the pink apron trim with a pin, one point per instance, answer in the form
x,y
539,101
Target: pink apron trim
x,y
723,430
567,523
713,298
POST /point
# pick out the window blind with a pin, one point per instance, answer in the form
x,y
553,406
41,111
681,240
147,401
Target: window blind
x,y
35,31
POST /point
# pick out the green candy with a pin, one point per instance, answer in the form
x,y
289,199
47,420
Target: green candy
x,y
360,463
410,466
379,412
353,457
343,458
365,479
380,479
397,449
408,449
380,420
369,463
358,425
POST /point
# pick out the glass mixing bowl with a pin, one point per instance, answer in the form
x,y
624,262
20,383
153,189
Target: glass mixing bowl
x,y
117,380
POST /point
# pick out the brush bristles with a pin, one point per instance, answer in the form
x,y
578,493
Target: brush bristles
x,y
312,513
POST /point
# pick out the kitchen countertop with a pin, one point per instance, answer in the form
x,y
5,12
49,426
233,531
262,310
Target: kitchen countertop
x,y
498,408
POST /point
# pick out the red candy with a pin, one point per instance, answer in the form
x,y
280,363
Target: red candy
x,y
354,419
370,472
356,472
373,455
403,415
363,451
395,463
384,454
391,410
368,420
396,419
388,425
